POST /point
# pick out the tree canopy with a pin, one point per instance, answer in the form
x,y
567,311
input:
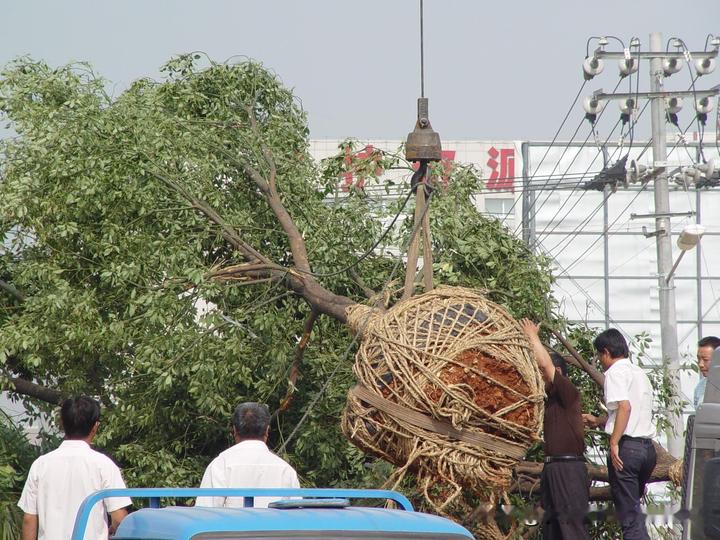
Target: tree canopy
x,y
165,250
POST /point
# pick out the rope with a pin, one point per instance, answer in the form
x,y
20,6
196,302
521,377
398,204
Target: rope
x,y
449,392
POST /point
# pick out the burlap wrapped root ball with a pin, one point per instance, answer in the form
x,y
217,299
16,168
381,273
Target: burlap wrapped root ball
x,y
447,389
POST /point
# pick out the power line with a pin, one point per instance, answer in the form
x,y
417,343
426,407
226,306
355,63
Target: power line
x,y
579,258
533,208
597,117
587,220
537,238
567,115
637,118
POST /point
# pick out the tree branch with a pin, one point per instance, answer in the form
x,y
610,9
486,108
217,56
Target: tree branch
x,y
230,234
267,153
297,360
367,291
530,486
660,473
12,291
596,376
269,188
260,267
30,389
317,296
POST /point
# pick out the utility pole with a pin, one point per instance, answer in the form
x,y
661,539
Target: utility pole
x,y
668,316
662,63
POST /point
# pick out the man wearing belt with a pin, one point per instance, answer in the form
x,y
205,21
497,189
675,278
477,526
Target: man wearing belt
x,y
629,398
564,483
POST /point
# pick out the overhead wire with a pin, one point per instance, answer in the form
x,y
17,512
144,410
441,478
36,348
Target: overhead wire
x,y
552,142
587,220
700,124
568,197
641,190
534,208
532,205
366,253
577,201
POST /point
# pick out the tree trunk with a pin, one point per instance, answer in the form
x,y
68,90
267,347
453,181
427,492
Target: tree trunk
x,y
528,473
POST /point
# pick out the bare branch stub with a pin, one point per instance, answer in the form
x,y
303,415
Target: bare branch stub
x,y
598,377
269,189
297,361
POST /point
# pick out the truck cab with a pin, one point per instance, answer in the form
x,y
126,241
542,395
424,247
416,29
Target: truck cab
x,y
700,506
298,514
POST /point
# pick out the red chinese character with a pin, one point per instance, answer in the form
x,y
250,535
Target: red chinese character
x,y
504,179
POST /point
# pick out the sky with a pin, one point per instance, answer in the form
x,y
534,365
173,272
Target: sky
x,y
493,70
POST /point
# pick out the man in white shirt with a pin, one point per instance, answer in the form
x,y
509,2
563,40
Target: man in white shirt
x,y
705,350
249,463
60,480
629,399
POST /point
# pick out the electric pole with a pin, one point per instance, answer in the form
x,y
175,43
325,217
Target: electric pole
x,y
663,63
668,317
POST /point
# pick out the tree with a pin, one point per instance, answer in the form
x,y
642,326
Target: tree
x,y
122,213
173,251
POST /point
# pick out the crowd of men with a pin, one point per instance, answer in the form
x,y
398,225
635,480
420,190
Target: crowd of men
x,y
60,480
628,397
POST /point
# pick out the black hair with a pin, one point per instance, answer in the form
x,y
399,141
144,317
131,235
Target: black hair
x,y
612,341
709,341
251,420
559,362
79,415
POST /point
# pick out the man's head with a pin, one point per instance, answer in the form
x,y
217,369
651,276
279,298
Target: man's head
x,y
251,421
559,362
80,417
706,347
610,346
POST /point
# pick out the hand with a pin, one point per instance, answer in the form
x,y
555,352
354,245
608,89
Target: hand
x,y
615,456
590,421
530,329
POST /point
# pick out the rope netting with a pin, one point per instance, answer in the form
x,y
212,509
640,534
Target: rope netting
x,y
447,390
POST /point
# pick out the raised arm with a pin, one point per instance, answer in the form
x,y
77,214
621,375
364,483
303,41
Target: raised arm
x,y
547,369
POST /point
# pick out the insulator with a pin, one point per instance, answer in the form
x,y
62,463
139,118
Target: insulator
x,y
672,65
703,66
592,66
593,106
628,66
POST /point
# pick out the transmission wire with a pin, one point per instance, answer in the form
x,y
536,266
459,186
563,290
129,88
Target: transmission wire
x,y
567,115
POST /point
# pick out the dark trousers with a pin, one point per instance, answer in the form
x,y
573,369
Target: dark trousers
x,y
564,498
628,486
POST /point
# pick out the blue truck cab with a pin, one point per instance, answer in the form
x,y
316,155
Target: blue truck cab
x,y
299,514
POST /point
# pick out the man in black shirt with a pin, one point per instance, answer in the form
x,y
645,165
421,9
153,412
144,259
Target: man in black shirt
x,y
564,484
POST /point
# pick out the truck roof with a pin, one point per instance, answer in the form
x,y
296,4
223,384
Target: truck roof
x,y
298,513
186,522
